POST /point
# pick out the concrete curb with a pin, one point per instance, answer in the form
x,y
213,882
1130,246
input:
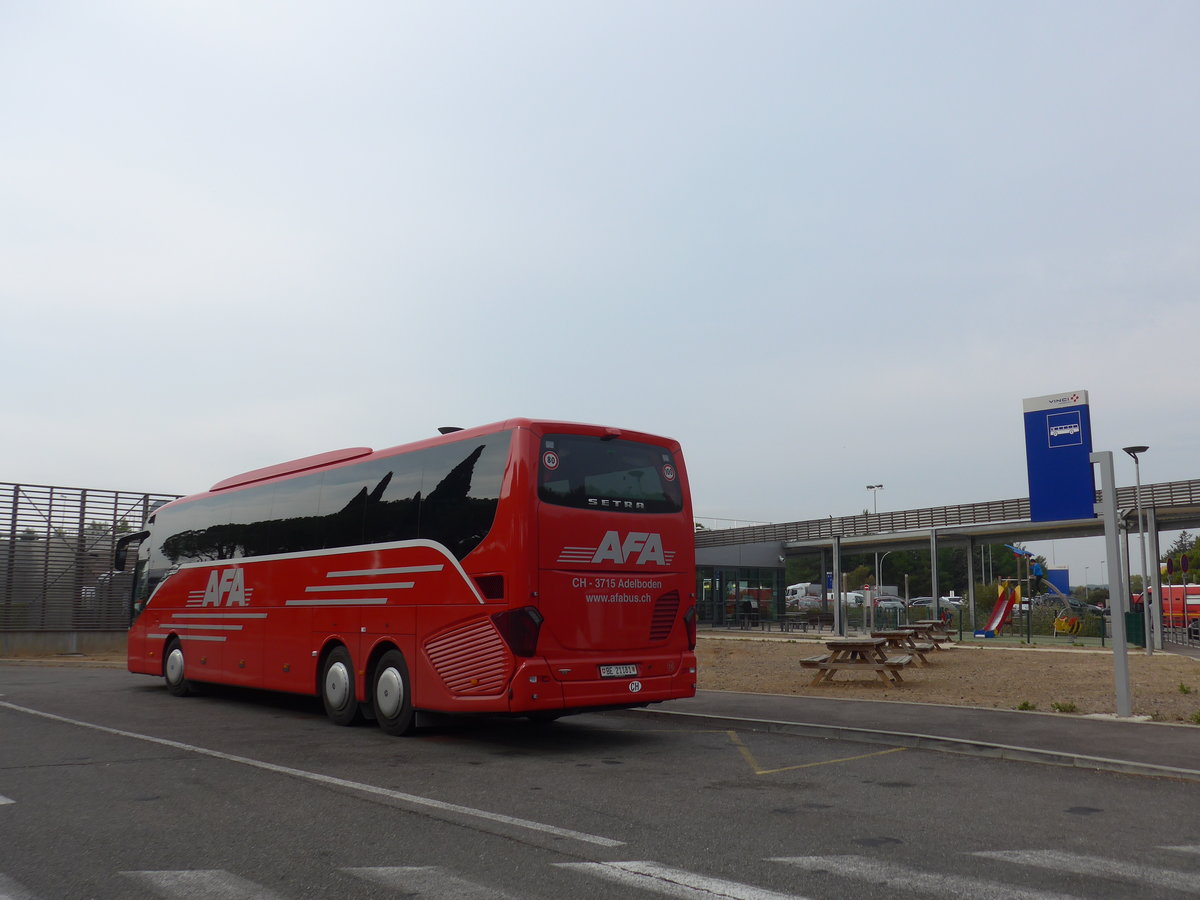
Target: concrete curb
x,y
69,661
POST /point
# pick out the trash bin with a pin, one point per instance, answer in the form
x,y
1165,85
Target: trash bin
x,y
1135,629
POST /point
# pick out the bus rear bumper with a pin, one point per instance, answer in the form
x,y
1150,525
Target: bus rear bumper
x,y
534,689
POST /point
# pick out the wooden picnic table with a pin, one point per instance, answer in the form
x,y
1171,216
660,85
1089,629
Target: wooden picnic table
x,y
937,630
922,630
905,639
857,655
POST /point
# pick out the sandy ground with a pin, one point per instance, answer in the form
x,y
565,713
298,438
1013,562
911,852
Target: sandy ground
x,y
1165,686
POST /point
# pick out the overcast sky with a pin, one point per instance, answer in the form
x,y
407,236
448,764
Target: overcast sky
x,y
822,244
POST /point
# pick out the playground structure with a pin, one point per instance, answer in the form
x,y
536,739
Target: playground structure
x,y
1067,622
1010,595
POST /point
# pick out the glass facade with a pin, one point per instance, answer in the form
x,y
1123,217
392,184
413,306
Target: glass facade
x,y
733,596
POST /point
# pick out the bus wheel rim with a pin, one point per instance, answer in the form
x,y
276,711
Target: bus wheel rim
x,y
175,666
389,692
337,685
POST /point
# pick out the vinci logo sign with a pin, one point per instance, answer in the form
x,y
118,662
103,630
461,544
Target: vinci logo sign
x,y
637,547
1058,448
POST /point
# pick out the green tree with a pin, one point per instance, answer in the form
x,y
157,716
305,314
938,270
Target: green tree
x,y
1186,545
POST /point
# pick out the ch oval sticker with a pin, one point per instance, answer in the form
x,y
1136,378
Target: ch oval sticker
x,y
635,687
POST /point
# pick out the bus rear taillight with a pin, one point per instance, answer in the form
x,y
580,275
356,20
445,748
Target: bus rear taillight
x,y
689,622
520,628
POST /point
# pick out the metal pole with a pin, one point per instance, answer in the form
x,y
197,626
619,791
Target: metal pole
x,y
1148,596
933,570
1155,576
970,581
839,624
1107,509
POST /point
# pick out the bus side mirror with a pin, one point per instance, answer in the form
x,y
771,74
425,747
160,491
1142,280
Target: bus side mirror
x,y
123,543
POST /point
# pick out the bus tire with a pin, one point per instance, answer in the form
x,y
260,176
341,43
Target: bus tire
x,y
175,670
337,687
391,694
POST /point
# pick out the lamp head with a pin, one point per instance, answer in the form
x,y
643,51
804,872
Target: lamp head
x,y
1134,451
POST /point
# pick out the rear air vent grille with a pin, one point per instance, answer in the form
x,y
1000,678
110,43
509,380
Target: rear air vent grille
x,y
666,608
471,660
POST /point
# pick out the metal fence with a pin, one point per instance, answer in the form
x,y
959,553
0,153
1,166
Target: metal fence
x,y
56,556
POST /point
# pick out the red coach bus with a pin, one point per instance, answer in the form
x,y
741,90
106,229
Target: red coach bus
x,y
526,567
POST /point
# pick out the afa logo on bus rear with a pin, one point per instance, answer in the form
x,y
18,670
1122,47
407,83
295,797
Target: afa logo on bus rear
x,y
638,548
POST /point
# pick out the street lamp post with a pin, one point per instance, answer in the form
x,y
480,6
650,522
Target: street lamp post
x,y
1147,597
874,489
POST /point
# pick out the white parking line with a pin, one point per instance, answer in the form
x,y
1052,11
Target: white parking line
x,y
4,800
933,884
374,790
10,890
203,884
671,882
427,881
1184,882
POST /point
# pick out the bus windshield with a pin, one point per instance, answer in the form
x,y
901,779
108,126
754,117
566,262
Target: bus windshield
x,y
590,472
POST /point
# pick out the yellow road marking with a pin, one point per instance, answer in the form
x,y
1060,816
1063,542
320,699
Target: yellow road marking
x,y
759,770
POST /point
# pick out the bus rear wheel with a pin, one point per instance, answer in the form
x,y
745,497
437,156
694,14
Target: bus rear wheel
x,y
175,670
391,694
337,687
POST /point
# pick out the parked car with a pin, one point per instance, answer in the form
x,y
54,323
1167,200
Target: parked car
x,y
803,604
921,601
886,602
1078,606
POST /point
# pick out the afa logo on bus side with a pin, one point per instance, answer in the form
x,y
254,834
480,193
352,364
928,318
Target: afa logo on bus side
x,y
226,588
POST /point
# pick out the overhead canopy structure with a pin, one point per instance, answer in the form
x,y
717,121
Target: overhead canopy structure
x,y
1175,505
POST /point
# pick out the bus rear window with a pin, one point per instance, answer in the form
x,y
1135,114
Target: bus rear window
x,y
588,472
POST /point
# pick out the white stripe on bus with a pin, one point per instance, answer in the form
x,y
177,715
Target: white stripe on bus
x,y
367,573
339,601
399,585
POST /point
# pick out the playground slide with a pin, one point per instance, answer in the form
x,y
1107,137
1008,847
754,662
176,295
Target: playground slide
x,y
1001,613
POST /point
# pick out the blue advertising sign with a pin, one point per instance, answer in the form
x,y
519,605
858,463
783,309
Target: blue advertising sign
x,y
1058,449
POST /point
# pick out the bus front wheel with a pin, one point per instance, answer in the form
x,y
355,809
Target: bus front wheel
x,y
337,687
174,670
391,694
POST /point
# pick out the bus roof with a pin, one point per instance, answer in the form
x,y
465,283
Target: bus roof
x,y
334,457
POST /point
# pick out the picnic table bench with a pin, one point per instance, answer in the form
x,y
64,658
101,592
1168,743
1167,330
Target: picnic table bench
x,y
928,632
857,654
936,629
818,621
904,639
